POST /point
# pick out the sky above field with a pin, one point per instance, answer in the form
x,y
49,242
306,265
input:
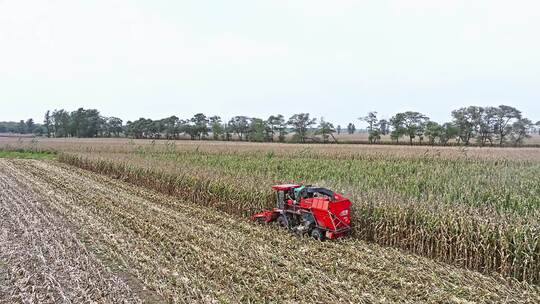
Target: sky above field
x,y
338,59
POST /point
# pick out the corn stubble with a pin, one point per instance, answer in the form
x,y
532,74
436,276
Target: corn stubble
x,y
172,250
41,258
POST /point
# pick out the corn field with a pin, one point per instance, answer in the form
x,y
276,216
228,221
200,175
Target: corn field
x,y
70,235
475,208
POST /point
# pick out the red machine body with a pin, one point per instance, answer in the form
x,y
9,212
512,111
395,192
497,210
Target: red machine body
x,y
309,210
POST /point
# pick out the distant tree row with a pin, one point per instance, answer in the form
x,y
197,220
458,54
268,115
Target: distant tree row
x,y
502,125
81,123
487,125
244,128
21,127
89,123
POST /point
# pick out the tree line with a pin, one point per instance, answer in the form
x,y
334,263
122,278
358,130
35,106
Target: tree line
x,y
485,125
81,123
243,128
502,125
21,127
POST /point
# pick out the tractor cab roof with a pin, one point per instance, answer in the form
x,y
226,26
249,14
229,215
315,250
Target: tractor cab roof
x,y
285,187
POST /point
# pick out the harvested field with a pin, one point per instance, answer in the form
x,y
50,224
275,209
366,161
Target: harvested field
x,y
123,145
85,232
42,260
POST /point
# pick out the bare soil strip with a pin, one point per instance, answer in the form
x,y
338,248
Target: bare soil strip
x,y
166,250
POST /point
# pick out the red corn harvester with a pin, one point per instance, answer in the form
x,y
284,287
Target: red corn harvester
x,y
316,211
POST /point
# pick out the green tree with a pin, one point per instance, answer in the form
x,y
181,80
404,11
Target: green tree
x,y
351,128
239,125
114,126
467,121
374,133
371,120
486,125
384,127
448,132
84,123
157,128
170,127
257,130
92,122
200,125
326,129
75,120
60,122
39,130
141,128
276,125
398,126
282,128
30,125
21,127
374,136
520,130
227,132
216,127
504,115
415,123
47,123
433,131
300,124
190,129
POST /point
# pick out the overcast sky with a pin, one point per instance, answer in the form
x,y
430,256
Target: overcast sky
x,y
333,58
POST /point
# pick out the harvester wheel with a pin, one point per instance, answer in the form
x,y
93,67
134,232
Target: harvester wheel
x,y
260,220
282,221
317,234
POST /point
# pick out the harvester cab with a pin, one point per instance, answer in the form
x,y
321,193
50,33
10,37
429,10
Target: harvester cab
x,y
315,211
